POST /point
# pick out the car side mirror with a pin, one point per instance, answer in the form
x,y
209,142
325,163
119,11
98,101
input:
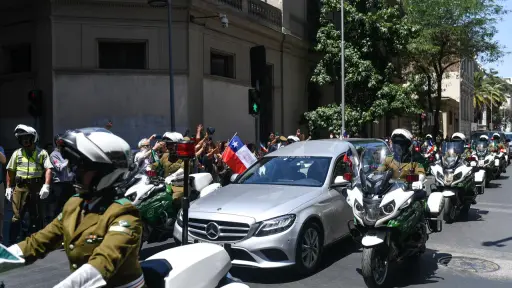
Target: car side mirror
x,y
233,178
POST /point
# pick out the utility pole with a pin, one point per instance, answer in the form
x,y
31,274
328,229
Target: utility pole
x,y
342,57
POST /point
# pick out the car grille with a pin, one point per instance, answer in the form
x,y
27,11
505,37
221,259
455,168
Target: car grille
x,y
218,231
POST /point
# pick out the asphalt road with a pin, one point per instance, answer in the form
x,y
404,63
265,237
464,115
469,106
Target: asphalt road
x,y
486,236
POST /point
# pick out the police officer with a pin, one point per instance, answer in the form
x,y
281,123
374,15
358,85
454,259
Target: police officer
x,y
460,137
101,236
404,161
171,165
28,179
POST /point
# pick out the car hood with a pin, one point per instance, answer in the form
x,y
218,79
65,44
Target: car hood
x,y
260,202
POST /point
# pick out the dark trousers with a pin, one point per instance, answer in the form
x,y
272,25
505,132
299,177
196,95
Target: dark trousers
x,y
62,192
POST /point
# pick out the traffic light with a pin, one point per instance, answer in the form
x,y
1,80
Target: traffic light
x,y
254,102
35,100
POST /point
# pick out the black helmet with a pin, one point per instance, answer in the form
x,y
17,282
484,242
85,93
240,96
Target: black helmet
x,y
101,159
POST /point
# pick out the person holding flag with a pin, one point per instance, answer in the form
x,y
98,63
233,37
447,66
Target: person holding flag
x,y
237,156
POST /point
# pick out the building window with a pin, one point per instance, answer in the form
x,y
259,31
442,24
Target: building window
x,y
18,59
122,55
222,64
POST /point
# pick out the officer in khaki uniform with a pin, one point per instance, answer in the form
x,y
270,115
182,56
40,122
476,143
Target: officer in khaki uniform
x,y
404,160
29,172
101,236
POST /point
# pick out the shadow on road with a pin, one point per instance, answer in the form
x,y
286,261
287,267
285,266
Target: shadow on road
x,y
331,255
474,214
494,185
497,243
503,177
416,271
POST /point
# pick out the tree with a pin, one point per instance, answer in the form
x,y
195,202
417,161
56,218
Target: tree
x,y
376,40
491,91
448,31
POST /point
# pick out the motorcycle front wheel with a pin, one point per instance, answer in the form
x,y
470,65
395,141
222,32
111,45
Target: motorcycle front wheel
x,y
449,212
375,266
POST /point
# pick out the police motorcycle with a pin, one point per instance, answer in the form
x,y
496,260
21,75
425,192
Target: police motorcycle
x,y
455,180
152,195
202,265
392,219
485,166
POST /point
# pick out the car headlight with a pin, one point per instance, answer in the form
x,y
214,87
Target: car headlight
x,y
275,225
180,218
388,208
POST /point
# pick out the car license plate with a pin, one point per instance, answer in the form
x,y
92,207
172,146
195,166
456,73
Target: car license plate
x,y
200,241
481,162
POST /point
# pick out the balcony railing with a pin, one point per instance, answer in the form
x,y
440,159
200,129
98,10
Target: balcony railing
x,y
257,9
266,12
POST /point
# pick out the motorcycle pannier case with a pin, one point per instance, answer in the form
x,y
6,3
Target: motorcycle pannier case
x,y
435,203
201,180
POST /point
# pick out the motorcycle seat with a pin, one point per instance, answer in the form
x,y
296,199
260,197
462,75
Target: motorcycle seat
x,y
154,271
419,195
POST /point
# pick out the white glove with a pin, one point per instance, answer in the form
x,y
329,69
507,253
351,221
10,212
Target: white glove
x,y
168,180
16,250
418,185
45,191
8,193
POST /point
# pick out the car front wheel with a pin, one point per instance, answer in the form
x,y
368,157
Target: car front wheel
x,y
309,248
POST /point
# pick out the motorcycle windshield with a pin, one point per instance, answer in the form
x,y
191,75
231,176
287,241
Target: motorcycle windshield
x,y
375,174
452,152
481,148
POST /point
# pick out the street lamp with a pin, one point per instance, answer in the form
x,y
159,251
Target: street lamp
x,y
342,59
168,3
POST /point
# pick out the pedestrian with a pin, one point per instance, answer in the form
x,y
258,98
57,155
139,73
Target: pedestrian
x,y
3,160
28,181
63,178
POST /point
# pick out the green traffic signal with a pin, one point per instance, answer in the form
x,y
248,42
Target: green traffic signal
x,y
254,102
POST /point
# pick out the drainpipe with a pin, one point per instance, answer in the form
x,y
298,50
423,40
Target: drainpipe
x,y
283,37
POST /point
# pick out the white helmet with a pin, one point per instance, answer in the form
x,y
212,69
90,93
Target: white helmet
x,y
401,133
484,138
293,139
93,149
172,137
496,135
458,136
402,142
428,136
143,142
24,130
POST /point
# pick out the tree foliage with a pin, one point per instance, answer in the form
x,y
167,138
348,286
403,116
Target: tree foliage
x,y
376,38
448,31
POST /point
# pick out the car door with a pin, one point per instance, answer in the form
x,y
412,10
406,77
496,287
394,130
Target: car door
x,y
343,212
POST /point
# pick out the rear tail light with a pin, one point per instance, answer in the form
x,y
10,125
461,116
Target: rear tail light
x,y
151,173
347,176
471,158
412,178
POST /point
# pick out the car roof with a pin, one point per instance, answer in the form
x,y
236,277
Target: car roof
x,y
313,148
359,141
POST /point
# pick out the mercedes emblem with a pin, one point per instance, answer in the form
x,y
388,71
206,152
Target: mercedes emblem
x,y
212,230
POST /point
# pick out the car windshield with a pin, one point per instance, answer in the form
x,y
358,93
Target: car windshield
x,y
287,170
509,136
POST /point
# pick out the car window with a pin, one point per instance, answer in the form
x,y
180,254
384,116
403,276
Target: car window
x,y
286,170
508,136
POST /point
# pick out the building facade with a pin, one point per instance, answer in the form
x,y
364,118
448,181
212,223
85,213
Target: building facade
x,y
102,60
458,92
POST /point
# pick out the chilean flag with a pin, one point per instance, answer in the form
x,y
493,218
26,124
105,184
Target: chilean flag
x,y
238,156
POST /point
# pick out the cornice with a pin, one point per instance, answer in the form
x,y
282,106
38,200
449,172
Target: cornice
x,y
112,3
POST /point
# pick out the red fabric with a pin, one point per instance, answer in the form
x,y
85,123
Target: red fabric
x,y
347,160
231,159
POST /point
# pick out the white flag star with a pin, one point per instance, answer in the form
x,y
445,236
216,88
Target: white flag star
x,y
235,144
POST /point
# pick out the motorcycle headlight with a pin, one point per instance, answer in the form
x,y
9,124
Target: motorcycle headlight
x,y
440,177
132,196
180,218
275,225
388,208
359,208
457,176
